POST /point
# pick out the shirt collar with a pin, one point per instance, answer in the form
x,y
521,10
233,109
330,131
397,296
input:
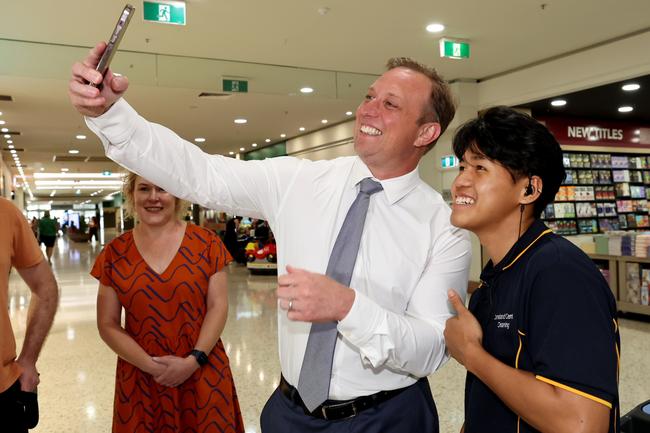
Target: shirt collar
x,y
535,232
395,188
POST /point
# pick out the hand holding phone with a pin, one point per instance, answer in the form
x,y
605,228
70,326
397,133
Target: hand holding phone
x,y
114,41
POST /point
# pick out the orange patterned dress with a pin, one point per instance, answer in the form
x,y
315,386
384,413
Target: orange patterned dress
x,y
164,313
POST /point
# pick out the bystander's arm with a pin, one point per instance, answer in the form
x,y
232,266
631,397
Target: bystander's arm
x,y
109,312
42,307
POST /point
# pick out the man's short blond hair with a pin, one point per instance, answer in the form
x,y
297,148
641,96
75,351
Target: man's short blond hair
x,y
441,107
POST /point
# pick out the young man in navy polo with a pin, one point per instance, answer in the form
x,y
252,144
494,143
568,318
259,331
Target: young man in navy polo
x,y
540,339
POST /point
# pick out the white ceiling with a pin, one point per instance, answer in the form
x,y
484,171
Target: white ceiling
x,y
284,44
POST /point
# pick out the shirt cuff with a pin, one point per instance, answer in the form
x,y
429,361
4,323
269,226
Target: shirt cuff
x,y
116,125
362,321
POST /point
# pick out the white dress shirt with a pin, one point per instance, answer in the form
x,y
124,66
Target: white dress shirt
x,y
409,256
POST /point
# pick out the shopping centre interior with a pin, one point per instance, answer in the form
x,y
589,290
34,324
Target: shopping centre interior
x,y
251,80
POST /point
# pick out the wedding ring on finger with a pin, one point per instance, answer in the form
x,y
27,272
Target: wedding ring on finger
x,y
290,305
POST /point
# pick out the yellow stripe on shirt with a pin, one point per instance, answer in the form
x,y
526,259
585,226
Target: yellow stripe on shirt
x,y
573,390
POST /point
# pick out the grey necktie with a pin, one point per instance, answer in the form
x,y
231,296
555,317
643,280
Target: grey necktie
x,y
316,371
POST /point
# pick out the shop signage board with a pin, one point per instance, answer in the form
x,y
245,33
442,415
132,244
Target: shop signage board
x,y
598,133
454,49
235,86
165,12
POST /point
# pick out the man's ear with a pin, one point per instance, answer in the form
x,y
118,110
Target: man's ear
x,y
427,133
528,196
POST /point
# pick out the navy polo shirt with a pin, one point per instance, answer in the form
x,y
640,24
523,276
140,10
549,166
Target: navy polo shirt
x,y
545,308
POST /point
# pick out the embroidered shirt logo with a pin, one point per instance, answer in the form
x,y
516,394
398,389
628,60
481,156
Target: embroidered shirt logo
x,y
504,320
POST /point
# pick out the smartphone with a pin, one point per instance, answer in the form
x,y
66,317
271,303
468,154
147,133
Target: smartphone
x,y
114,41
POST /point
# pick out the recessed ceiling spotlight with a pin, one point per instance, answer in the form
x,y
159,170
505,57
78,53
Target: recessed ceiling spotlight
x,y
637,132
12,151
5,130
631,87
42,168
625,109
558,102
306,90
268,140
324,121
231,153
241,149
0,113
73,151
435,28
241,121
199,140
348,113
80,137
10,142
2,122
283,135
65,169
254,144
302,128
6,135
11,146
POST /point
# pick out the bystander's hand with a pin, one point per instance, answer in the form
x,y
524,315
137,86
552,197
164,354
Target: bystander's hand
x,y
312,297
29,378
177,370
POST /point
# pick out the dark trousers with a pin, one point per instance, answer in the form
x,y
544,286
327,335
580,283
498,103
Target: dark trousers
x,y
13,407
413,410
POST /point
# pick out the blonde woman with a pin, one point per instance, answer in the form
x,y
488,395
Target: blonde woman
x,y
172,373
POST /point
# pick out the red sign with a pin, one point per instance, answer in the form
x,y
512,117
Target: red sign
x,y
597,133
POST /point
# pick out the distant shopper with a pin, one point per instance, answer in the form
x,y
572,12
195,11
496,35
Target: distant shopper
x,y
34,226
19,376
230,238
540,339
47,229
173,374
93,229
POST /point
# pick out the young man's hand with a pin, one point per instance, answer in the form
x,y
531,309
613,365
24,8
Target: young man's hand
x,y
463,333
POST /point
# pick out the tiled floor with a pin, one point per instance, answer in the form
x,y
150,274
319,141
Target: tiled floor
x,y
77,368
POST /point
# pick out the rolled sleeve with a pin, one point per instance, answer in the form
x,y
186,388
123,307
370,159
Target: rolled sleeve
x,y
412,341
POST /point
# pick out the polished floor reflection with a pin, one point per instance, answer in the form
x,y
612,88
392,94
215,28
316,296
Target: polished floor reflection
x,y
77,368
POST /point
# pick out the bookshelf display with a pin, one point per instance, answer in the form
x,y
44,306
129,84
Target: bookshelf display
x,y
602,192
629,279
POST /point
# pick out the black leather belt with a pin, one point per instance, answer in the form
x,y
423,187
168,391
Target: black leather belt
x,y
338,409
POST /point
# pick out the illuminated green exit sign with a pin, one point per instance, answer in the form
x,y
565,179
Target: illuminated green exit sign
x,y
454,49
166,12
449,161
235,86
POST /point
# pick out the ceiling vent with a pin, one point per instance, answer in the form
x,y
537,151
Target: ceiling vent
x,y
80,158
17,149
210,95
68,158
6,98
98,159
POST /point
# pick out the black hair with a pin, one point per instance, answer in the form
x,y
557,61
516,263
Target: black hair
x,y
517,142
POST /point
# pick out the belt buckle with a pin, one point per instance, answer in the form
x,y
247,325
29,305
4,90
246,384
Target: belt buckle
x,y
352,404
